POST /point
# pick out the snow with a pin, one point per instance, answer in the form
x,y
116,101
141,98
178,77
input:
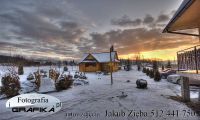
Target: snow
x,y
99,96
101,57
47,85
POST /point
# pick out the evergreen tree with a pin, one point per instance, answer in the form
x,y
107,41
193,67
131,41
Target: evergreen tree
x,y
168,64
157,76
20,70
163,67
155,65
139,68
147,72
144,70
151,74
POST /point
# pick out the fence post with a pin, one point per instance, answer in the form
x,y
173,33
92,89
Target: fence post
x,y
199,94
196,61
185,89
178,61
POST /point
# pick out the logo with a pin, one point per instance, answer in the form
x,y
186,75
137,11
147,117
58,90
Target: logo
x,y
34,104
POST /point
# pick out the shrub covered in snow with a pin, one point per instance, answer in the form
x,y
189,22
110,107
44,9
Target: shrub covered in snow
x,y
65,68
151,73
20,70
53,74
37,79
168,64
10,85
138,67
64,82
155,65
144,70
147,72
157,76
163,67
30,76
82,76
76,75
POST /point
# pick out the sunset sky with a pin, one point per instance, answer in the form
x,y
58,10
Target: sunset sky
x,y
66,29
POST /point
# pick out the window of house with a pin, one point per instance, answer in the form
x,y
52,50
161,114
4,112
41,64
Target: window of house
x,y
90,64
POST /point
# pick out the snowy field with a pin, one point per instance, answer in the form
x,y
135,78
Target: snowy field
x,y
93,101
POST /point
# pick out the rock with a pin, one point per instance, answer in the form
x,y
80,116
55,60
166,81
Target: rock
x,y
141,83
122,95
128,81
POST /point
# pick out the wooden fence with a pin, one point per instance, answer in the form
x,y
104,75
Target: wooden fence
x,y
189,59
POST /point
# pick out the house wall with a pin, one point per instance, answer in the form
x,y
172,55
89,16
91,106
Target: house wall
x,y
99,67
115,66
84,67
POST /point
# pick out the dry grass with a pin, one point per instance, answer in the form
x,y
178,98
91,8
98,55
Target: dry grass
x,y
193,104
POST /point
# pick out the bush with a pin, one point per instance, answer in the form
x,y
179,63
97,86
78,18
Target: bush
x,y
63,83
65,69
157,76
20,70
10,85
30,76
163,67
37,79
155,65
169,64
53,74
151,73
147,72
139,67
144,70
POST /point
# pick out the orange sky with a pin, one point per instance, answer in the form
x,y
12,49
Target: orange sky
x,y
167,54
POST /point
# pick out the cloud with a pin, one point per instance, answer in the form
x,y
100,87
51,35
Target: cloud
x,y
139,40
42,28
57,28
162,18
126,21
148,19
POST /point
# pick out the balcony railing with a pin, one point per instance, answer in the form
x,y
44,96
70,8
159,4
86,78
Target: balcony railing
x,y
189,59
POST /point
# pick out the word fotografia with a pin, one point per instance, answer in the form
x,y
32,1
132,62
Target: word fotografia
x,y
32,101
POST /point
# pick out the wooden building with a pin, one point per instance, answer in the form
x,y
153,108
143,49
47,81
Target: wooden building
x,y
92,62
185,19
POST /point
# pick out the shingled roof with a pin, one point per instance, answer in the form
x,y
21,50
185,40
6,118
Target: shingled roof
x,y
186,17
101,57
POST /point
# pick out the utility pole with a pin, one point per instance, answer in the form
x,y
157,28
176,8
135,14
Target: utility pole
x,y
111,66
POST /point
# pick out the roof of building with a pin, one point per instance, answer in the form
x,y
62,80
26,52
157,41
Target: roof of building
x,y
186,17
101,57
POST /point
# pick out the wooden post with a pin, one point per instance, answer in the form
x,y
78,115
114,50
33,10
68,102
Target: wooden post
x,y
199,94
185,89
178,62
111,76
196,61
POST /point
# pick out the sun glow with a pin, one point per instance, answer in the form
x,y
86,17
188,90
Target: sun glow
x,y
167,54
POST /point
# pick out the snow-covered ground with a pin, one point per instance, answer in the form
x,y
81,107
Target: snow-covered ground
x,y
90,102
